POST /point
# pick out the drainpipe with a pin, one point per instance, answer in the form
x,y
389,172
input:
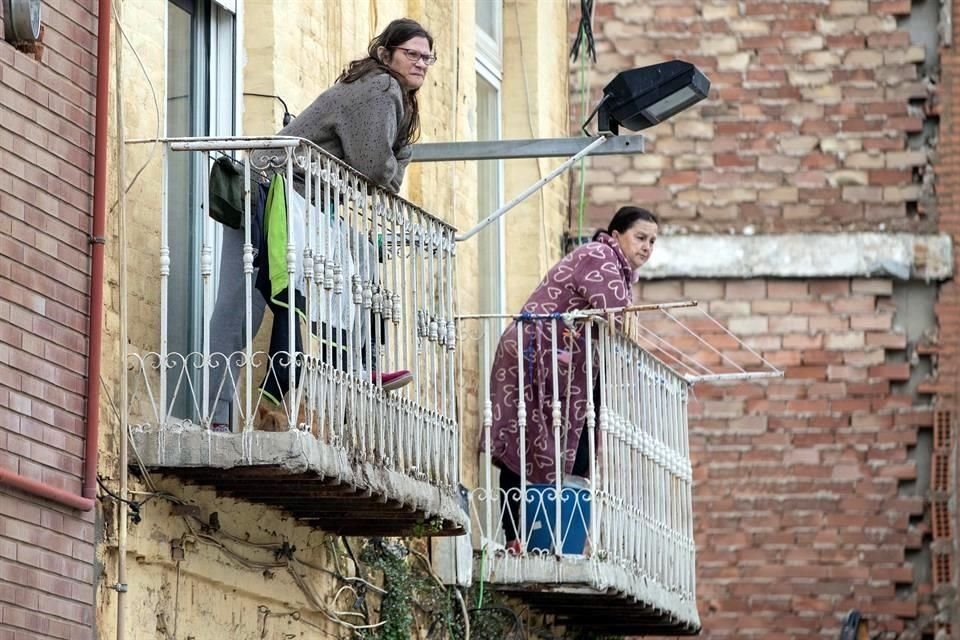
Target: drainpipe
x,y
87,499
97,243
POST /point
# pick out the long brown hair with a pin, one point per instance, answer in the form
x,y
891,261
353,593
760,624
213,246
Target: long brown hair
x,y
396,33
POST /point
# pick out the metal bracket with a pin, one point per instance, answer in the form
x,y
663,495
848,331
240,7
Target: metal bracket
x,y
120,587
593,143
573,148
517,149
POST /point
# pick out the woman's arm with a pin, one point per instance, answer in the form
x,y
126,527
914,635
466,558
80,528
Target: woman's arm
x,y
367,127
598,277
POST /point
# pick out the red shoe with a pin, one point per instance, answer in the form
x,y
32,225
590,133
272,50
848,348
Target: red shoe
x,y
514,548
392,380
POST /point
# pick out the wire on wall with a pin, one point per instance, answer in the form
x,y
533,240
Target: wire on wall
x,y
583,46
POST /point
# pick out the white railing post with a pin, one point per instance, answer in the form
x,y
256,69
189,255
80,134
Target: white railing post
x,y
247,300
521,527
207,294
688,495
559,463
605,444
291,297
305,397
634,380
164,283
488,443
649,490
589,429
451,408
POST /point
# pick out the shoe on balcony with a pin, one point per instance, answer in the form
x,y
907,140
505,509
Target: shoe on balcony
x,y
392,380
514,548
219,427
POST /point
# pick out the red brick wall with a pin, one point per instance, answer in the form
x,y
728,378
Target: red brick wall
x,y
946,577
798,508
807,502
806,126
46,183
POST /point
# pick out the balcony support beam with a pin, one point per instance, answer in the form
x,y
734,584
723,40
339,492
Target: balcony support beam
x,y
519,149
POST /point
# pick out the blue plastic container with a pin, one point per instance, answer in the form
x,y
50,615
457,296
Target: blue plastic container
x,y
541,518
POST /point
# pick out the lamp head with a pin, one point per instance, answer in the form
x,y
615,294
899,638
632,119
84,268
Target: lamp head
x,y
641,98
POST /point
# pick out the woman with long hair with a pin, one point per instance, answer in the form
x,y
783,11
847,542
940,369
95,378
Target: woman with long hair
x,y
368,119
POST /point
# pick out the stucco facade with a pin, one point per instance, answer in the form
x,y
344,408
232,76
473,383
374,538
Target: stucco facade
x,y
253,572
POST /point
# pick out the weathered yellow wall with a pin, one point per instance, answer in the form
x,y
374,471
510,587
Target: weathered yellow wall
x,y
208,594
536,73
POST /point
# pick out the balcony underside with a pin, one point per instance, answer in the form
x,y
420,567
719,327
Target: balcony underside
x,y
312,481
593,596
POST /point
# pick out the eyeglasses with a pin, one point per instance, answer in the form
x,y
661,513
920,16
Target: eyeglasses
x,y
414,56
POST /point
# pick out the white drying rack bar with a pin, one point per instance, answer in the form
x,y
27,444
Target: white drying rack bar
x,y
686,363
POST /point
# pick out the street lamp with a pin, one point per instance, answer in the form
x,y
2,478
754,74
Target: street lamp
x,y
640,98
634,99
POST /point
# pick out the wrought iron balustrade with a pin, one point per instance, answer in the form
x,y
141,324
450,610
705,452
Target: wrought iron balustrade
x,y
619,534
372,276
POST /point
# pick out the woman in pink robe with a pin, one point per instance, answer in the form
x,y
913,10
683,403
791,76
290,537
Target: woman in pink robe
x,y
597,275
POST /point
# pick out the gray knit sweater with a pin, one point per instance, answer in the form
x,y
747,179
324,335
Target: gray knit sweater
x,y
358,123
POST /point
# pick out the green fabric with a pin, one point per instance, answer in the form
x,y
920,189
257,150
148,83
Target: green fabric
x,y
275,229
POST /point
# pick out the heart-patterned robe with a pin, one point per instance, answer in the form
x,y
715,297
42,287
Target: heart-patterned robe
x,y
594,276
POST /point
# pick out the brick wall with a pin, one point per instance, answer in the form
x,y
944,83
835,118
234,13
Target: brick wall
x,y
46,181
946,566
803,509
807,126
811,493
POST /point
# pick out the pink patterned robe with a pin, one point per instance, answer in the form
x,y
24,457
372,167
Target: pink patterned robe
x,y
594,276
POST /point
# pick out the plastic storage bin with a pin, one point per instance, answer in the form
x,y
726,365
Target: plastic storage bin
x,y
541,518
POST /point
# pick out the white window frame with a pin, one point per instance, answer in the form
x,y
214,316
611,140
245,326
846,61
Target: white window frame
x,y
226,117
218,90
492,244
490,45
489,67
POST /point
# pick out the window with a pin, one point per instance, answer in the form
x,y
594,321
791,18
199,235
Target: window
x,y
489,18
201,88
489,172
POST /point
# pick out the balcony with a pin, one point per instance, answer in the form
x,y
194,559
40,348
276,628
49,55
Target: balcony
x,y
611,552
375,295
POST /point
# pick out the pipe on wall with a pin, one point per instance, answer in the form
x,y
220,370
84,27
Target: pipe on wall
x,y
86,500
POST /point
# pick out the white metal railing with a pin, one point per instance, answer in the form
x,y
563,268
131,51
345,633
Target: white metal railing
x,y
377,290
630,522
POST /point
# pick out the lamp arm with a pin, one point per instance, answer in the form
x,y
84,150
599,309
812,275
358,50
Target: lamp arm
x,y
539,184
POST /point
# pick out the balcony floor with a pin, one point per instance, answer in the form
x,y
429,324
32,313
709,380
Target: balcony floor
x,y
592,596
311,480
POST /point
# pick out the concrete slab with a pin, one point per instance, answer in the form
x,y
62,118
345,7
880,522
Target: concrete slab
x,y
571,585
312,480
903,256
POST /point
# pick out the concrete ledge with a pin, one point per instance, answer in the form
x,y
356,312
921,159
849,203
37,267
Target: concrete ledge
x,y
903,256
578,587
295,471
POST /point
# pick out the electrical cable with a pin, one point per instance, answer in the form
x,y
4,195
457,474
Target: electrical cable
x,y
584,44
287,116
156,104
132,504
585,33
